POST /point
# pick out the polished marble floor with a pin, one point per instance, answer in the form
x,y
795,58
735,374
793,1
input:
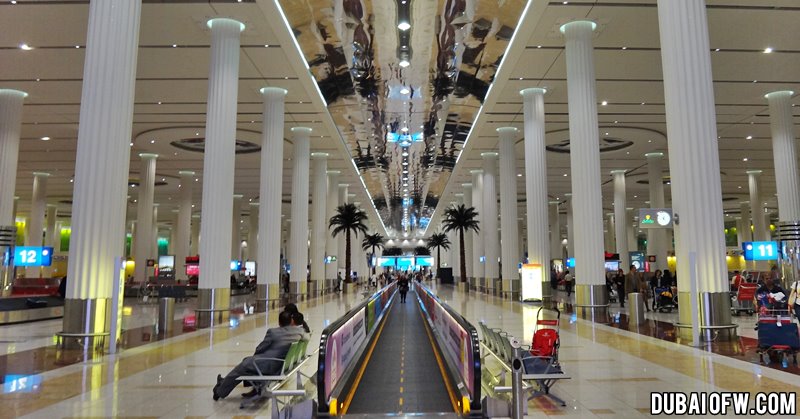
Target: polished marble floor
x,y
614,370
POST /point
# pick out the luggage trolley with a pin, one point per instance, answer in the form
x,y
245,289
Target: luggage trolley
x,y
777,336
742,299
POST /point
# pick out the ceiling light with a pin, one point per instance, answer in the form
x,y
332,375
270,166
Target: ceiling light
x,y
616,122
624,47
25,47
405,172
131,144
266,45
642,103
404,26
603,103
152,141
13,1
768,50
159,102
749,137
717,50
404,129
744,159
45,138
404,91
565,175
405,153
538,46
196,134
405,163
755,81
77,47
402,63
71,180
606,133
519,174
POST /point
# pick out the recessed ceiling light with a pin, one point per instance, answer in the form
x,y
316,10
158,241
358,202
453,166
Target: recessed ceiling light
x,y
25,47
404,26
77,47
404,129
13,1
642,103
616,122
71,180
404,91
131,144
405,172
538,46
717,50
519,174
159,102
405,163
196,134
405,153
163,179
624,47
565,175
266,45
404,63
152,141
174,45
604,103
749,137
606,133
744,159
768,50
40,79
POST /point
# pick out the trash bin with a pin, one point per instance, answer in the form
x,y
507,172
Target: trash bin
x,y
166,314
636,304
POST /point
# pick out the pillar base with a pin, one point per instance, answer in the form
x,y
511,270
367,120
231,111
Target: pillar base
x,y
213,306
267,295
86,324
298,291
591,302
715,317
511,289
316,287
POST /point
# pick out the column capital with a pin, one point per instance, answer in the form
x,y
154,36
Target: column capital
x,y
489,155
506,130
146,156
13,92
319,156
779,93
656,155
568,194
618,172
476,171
186,173
578,25
301,131
41,174
238,196
254,204
220,20
273,92
459,194
466,185
333,172
344,185
532,91
753,172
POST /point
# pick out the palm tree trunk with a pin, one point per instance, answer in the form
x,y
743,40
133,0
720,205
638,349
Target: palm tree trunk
x,y
463,257
375,259
438,257
347,272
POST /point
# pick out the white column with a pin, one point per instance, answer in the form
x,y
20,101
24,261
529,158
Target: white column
x,y
154,236
747,232
219,161
694,157
194,243
491,239
571,229
173,233
101,164
38,208
298,239
621,228
469,261
331,244
784,152
656,237
319,226
50,238
586,202
10,126
555,232
270,227
252,232
183,227
144,216
760,230
343,199
633,242
538,227
478,267
236,227
509,225
612,233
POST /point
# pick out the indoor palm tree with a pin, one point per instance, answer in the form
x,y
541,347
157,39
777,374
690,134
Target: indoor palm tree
x,y
460,219
439,241
372,242
349,218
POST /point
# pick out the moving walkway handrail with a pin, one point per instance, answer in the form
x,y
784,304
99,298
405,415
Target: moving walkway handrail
x,y
343,343
463,358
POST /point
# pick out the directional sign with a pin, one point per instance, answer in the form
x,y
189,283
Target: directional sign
x,y
655,218
760,250
33,256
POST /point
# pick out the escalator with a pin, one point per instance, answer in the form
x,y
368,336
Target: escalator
x,y
402,374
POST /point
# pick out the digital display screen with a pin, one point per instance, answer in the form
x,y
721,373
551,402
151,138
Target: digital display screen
x,y
570,262
33,256
193,270
236,265
760,250
612,266
167,261
405,262
21,383
424,261
250,268
386,261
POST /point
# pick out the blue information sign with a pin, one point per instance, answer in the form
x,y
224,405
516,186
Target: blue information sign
x,y
760,250
33,256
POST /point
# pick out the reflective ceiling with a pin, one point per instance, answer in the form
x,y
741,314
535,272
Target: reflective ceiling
x,y
403,81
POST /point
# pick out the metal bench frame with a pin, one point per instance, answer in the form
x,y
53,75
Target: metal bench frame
x,y
268,385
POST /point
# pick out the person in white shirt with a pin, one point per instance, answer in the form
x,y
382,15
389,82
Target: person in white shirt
x,y
794,299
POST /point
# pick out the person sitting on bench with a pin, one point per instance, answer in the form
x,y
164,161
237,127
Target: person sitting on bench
x,y
275,345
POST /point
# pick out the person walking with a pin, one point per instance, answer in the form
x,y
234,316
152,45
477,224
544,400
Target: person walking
x,y
619,280
794,299
568,282
338,287
654,281
403,287
644,289
631,281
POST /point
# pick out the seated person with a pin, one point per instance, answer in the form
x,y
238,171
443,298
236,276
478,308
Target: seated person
x,y
292,308
764,295
276,345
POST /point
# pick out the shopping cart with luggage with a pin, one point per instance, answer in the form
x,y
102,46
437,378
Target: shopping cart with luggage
x,y
665,299
742,299
778,337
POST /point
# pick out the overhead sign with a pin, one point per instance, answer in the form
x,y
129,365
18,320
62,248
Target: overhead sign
x,y
655,218
760,250
33,256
